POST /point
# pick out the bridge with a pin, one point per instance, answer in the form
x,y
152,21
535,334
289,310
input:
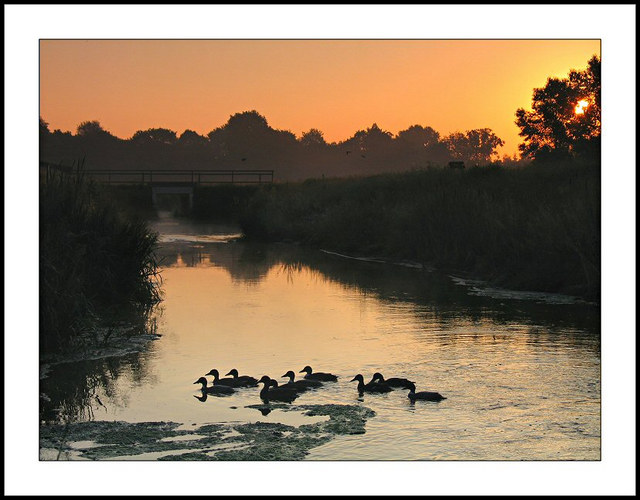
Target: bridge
x,y
166,181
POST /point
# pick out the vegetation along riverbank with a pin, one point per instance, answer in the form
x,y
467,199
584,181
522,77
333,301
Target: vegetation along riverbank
x,y
535,227
97,263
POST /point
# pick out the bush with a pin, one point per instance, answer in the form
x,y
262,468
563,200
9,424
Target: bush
x,y
535,227
94,260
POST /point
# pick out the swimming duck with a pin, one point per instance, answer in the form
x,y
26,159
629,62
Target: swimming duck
x,y
372,386
327,377
271,391
231,382
423,395
220,390
300,385
393,381
243,380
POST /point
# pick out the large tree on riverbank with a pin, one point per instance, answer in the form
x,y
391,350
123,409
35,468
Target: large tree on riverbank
x,y
565,118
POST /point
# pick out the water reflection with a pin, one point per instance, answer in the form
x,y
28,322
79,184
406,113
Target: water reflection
x,y
435,294
71,390
521,378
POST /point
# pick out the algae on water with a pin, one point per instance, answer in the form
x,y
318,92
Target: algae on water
x,y
249,441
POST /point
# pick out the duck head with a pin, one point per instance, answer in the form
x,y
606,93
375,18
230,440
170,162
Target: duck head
x,y
411,386
290,374
202,381
377,376
307,369
358,377
274,383
214,373
233,373
265,380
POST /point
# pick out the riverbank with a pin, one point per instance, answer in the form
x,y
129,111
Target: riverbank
x,y
534,228
97,265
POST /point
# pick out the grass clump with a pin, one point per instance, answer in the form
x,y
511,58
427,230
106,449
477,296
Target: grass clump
x,y
96,262
530,228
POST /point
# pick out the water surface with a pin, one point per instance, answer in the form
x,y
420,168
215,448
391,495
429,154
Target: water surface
x,y
521,377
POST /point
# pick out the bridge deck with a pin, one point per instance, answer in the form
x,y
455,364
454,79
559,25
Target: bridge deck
x,y
173,177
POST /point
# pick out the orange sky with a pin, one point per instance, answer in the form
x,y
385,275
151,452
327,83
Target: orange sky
x,y
337,86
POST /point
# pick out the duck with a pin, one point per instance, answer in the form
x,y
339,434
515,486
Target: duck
x,y
271,391
393,381
423,395
243,380
300,385
325,377
372,386
231,382
220,390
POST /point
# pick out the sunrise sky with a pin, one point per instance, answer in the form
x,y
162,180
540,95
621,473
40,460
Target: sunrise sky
x,y
337,86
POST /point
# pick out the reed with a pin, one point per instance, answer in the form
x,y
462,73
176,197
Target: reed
x,y
532,228
96,262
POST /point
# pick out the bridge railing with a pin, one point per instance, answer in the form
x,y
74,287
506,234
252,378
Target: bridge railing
x,y
173,176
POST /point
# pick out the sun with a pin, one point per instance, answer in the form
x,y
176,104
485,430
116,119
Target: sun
x,y
581,107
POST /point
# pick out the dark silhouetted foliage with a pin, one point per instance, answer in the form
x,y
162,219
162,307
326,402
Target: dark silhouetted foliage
x,y
554,129
247,141
530,228
96,263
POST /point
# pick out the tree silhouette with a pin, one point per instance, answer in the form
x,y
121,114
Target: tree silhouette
x,y
476,146
190,138
418,136
155,135
371,140
92,129
314,138
565,117
43,134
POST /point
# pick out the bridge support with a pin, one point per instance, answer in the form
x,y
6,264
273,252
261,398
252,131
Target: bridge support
x,y
156,190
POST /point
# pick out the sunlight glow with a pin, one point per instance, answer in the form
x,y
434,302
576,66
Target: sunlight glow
x,y
581,107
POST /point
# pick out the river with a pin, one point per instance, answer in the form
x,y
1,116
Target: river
x,y
521,374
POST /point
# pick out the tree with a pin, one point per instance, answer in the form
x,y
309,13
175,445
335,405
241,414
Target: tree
x,y
44,127
314,138
476,146
191,138
371,140
43,134
91,129
419,136
565,117
155,136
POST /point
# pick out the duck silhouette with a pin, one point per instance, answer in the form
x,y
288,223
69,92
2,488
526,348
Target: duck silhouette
x,y
300,385
393,381
218,390
242,380
372,386
271,391
324,377
231,382
423,395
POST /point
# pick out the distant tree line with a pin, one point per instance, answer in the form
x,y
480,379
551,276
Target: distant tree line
x,y
564,123
248,141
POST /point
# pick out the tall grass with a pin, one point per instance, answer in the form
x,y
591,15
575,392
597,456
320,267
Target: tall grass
x,y
96,264
536,227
